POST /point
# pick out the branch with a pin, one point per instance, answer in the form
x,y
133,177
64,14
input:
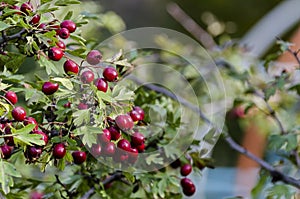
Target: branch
x,y
116,176
295,54
276,175
190,25
12,37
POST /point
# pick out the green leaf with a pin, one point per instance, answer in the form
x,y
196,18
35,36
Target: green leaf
x,y
50,67
154,158
287,142
22,136
269,92
121,93
280,191
4,178
66,2
65,82
68,15
33,96
10,169
12,61
104,96
81,117
4,26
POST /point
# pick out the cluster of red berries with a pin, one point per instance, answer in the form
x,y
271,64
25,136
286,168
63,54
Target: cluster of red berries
x,y
32,153
111,142
187,185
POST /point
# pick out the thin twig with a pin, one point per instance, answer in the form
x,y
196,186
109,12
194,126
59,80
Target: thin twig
x,y
190,25
295,54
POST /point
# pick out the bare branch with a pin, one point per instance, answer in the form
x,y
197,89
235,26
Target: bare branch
x,y
276,175
190,25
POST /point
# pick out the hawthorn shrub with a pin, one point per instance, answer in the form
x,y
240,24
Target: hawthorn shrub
x,y
77,129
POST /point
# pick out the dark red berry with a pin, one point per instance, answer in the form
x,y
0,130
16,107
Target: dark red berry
x,y
79,157
5,151
70,67
36,195
104,137
42,26
44,136
63,33
137,139
114,132
101,84
188,186
140,148
87,77
124,144
61,45
176,164
67,105
124,122
110,74
33,152
19,113
59,151
94,57
17,9
49,88
82,106
26,7
12,97
35,19
8,140
55,53
96,150
186,169
120,156
68,24
109,149
31,120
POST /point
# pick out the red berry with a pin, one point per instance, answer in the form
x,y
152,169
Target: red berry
x,y
94,57
12,97
19,113
70,67
63,33
137,139
82,106
16,8
44,136
133,155
96,150
185,169
109,149
140,111
135,116
42,26
26,7
79,157
49,88
104,137
35,19
188,186
110,74
36,195
87,77
68,24
8,140
124,122
120,156
59,151
101,84
61,45
55,53
31,120
114,132
5,151
141,147
124,144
